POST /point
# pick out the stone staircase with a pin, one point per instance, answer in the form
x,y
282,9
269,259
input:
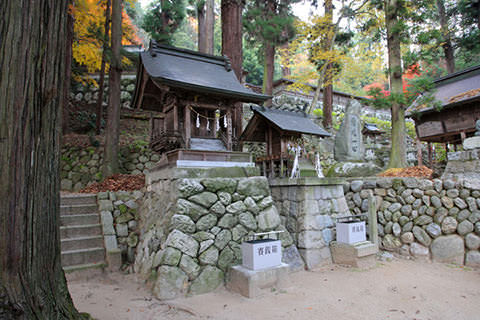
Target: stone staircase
x,y
207,144
81,235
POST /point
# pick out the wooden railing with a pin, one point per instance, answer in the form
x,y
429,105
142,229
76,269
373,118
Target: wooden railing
x,y
170,158
166,141
275,166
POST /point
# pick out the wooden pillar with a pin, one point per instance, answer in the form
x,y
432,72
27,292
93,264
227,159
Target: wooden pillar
x,y
175,118
229,129
269,141
419,153
188,127
430,155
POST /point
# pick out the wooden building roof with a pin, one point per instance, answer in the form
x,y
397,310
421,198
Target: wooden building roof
x,y
459,97
286,121
191,71
453,90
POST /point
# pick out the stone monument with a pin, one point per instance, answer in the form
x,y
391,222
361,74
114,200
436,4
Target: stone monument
x,y
349,149
349,140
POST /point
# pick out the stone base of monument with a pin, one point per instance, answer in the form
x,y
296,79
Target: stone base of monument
x,y
353,169
465,165
251,284
359,255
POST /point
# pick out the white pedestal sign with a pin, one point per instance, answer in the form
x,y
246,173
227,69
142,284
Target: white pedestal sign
x,y
261,254
351,232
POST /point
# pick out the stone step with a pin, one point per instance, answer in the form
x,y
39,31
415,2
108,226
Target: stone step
x,y
77,199
83,256
207,144
81,268
81,243
80,231
78,209
79,219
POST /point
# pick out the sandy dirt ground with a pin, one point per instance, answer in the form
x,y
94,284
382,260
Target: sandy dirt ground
x,y
400,289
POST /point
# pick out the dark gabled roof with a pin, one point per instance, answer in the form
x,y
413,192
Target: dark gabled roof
x,y
289,121
195,71
340,93
452,90
371,128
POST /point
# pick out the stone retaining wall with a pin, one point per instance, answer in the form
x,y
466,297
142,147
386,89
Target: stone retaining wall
x,y
437,219
119,217
83,166
308,208
192,226
88,93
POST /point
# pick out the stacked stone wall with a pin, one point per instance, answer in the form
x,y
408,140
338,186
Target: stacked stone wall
x,y
81,166
431,219
119,217
88,93
308,208
192,230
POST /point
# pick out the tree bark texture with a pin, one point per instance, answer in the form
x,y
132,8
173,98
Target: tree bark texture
x,y
398,157
447,40
232,34
231,11
111,142
209,26
268,70
327,82
68,71
33,42
202,32
101,82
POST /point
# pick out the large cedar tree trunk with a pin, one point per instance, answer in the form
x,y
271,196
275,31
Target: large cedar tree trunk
x,y
231,11
111,142
202,38
447,39
398,150
206,22
33,43
268,70
101,81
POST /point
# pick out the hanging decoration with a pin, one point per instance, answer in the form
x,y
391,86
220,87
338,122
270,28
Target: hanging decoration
x,y
318,166
296,169
208,119
217,120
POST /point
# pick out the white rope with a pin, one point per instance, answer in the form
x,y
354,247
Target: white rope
x,y
208,125
295,169
225,122
318,166
198,121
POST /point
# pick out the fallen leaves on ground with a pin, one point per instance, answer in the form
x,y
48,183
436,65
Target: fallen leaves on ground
x,y
418,171
117,182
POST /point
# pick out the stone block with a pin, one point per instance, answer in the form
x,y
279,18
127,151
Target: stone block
x,y
114,259
250,283
110,242
314,258
448,249
359,255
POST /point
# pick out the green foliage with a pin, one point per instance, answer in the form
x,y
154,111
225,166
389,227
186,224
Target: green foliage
x,y
162,18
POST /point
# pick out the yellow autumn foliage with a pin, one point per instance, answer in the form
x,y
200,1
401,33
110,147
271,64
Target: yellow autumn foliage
x,y
89,24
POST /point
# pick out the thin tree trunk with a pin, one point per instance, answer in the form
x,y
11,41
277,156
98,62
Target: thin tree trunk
x,y
268,70
327,98
33,51
209,26
202,32
398,150
447,41
327,83
231,11
102,69
111,144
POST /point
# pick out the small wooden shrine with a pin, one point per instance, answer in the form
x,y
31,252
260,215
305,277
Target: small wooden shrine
x,y
280,130
458,95
192,97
